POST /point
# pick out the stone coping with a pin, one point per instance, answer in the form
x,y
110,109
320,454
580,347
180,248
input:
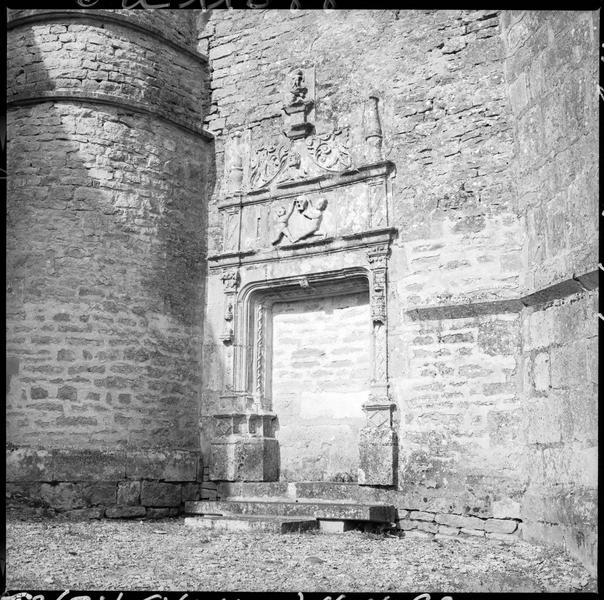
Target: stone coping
x,y
72,465
568,287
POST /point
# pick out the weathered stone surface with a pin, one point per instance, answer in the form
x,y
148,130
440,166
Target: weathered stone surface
x,y
168,465
28,464
155,493
253,523
129,492
246,459
67,496
376,449
86,465
460,521
125,512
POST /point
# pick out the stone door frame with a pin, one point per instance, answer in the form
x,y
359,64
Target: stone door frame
x,y
246,432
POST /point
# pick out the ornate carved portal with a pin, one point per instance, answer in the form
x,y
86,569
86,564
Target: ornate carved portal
x,y
251,427
299,219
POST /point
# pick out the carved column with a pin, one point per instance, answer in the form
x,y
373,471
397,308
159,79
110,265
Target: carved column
x,y
377,438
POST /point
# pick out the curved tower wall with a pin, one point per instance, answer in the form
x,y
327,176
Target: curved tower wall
x,y
109,171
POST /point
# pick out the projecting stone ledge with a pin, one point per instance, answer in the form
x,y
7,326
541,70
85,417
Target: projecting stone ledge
x,y
317,510
267,523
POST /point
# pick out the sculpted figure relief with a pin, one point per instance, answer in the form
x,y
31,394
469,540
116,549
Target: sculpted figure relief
x,y
302,220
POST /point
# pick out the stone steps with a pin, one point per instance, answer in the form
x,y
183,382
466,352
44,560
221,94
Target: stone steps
x,y
316,509
307,490
264,523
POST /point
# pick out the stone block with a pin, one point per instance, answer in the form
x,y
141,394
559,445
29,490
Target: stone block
x,y
87,465
62,496
418,515
500,525
541,372
376,449
245,459
449,531
99,492
157,493
165,465
129,493
125,512
468,522
335,526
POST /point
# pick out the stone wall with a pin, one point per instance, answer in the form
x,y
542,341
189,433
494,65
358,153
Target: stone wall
x,y
551,69
320,381
447,126
560,424
490,120
108,171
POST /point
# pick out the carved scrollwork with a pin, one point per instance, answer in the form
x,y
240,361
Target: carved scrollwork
x,y
330,151
267,163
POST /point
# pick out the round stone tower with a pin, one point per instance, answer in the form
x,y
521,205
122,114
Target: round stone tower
x,y
108,174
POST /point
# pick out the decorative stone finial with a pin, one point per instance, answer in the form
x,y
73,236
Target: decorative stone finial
x,y
373,129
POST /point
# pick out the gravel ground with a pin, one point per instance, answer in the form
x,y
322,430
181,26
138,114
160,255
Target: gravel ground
x,y
47,553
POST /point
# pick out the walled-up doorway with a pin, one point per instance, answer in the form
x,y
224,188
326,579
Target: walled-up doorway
x,y
320,380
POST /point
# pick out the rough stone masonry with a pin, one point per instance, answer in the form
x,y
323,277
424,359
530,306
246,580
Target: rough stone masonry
x,y
194,197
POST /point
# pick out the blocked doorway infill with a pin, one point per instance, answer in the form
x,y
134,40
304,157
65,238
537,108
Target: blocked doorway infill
x,y
320,381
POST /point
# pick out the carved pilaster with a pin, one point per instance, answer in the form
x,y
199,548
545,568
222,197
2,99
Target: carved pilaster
x,y
377,439
230,281
231,228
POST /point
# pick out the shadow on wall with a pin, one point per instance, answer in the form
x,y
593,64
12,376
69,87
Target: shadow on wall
x,y
106,252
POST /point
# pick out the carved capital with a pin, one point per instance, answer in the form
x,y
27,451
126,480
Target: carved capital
x,y
230,280
377,257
